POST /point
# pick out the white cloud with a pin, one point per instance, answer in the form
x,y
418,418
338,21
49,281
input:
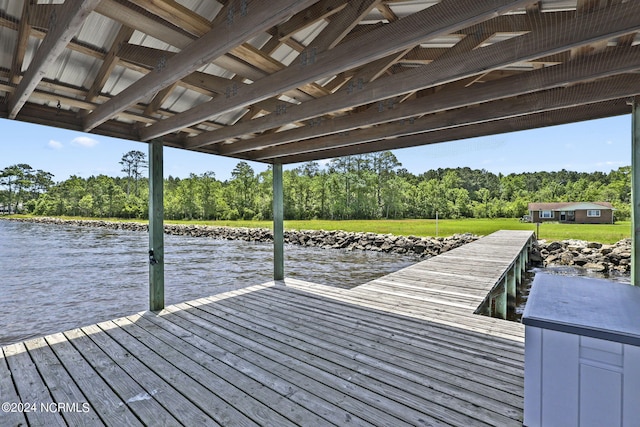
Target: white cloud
x,y
610,163
84,141
609,142
56,145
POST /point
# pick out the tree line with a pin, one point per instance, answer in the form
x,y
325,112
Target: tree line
x,y
364,186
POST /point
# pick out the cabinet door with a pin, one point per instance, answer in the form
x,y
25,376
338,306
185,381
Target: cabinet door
x,y
600,382
560,379
631,387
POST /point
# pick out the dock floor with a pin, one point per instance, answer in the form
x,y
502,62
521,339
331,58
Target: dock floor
x,y
405,349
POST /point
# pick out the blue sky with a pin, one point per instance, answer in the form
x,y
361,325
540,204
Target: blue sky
x,y
598,145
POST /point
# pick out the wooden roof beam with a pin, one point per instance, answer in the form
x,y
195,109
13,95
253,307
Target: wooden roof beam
x,y
184,18
553,99
283,34
144,23
468,43
581,30
393,37
66,25
584,7
37,21
319,11
208,84
51,116
219,40
159,99
24,29
342,24
178,15
532,121
386,11
109,63
625,59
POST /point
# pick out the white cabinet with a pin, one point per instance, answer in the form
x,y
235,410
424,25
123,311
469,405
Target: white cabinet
x,y
582,353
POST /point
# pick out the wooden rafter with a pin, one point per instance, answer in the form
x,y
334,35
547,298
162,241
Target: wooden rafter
x,y
159,99
195,24
376,44
467,44
530,121
178,15
342,24
613,23
386,11
109,63
626,60
219,40
207,84
303,19
573,96
66,25
24,29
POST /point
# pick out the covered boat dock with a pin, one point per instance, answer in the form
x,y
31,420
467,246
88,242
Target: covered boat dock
x,y
289,81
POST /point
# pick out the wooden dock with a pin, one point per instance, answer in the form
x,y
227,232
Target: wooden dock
x,y
405,349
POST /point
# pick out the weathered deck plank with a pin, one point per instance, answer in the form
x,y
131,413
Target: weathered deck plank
x,y
405,349
106,369
30,387
101,394
9,395
372,370
60,384
389,356
232,369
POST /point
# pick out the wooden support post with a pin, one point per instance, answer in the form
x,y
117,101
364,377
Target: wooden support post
x,y
485,307
501,299
635,193
156,227
278,223
511,287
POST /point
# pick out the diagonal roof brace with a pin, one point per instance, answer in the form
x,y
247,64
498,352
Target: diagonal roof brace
x,y
582,30
588,93
224,36
348,55
622,60
72,15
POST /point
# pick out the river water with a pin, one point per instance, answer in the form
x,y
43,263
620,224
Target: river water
x,y
58,277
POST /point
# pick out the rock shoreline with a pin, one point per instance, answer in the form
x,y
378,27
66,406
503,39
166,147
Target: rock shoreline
x,y
421,246
589,255
578,253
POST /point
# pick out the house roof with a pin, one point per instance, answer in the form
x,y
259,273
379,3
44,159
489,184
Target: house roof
x,y
284,81
569,206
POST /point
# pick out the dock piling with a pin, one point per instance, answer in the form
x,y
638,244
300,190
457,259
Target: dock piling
x,y
156,227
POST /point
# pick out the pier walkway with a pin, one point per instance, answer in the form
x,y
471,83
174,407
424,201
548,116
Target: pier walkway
x,y
405,349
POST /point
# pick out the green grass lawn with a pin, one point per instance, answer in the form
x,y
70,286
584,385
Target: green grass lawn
x,y
603,233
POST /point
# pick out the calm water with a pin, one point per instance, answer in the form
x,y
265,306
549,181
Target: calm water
x,y
57,277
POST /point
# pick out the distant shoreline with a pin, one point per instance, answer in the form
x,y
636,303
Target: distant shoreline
x,y
594,256
335,239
